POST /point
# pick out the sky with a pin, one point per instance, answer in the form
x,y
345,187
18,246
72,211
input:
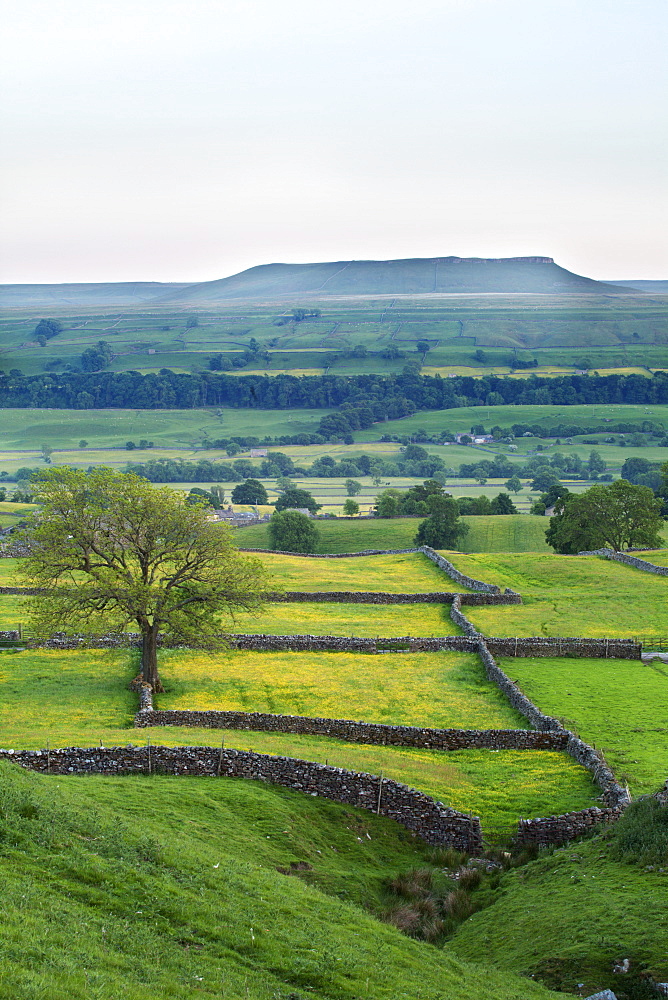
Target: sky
x,y
164,140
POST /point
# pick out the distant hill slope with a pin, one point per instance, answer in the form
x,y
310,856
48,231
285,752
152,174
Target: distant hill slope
x,y
115,293
269,282
418,276
644,286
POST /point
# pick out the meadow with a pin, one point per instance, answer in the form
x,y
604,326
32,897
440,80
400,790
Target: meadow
x,y
397,574
81,698
561,332
616,705
568,596
415,689
367,620
124,887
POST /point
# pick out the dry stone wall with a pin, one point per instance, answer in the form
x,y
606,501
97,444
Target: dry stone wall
x,y
432,821
561,829
624,557
356,732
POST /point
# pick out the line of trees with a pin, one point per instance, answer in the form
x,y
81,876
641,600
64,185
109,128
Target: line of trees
x,y
385,395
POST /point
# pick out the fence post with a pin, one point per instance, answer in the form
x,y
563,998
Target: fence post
x,y
380,792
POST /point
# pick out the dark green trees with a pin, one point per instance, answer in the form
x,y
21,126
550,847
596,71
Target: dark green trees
x,y
617,516
292,531
250,491
442,529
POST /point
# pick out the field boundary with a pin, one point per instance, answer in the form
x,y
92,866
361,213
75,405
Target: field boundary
x,y
624,557
434,822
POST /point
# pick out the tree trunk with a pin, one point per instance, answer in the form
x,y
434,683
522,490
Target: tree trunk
x,y
149,658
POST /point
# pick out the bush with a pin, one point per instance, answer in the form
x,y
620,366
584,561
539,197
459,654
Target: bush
x,y
292,531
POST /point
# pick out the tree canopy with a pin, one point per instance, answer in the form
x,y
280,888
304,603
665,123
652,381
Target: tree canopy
x,y
250,491
295,497
292,531
619,515
109,549
442,529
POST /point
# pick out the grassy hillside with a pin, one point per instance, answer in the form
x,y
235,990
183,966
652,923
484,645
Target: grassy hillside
x,y
509,533
569,596
572,332
568,918
125,887
618,705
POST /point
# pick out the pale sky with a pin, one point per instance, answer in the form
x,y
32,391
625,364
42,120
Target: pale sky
x,y
164,140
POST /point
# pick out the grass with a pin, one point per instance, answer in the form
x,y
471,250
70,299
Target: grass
x,y
569,596
603,910
366,620
618,705
499,787
409,573
659,556
512,533
417,689
125,887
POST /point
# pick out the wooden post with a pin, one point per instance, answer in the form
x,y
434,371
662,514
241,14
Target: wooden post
x,y
220,755
380,792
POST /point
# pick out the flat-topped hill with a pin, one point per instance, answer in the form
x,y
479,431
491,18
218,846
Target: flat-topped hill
x,y
416,276
419,276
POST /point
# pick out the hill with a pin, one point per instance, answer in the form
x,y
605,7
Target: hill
x,y
269,282
644,286
417,276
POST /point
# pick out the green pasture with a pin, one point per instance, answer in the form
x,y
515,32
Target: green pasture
x,y
566,332
445,690
81,698
500,533
566,919
568,596
124,887
367,620
399,574
658,556
616,705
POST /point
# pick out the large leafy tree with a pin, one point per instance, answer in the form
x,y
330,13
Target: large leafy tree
x,y
292,531
250,491
620,516
109,549
442,529
296,497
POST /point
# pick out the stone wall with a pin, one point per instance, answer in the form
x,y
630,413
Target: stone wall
x,y
620,649
561,829
430,820
624,557
356,732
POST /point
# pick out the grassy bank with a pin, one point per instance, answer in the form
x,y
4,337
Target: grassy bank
x,y
125,887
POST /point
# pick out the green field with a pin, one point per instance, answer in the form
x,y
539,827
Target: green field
x,y
561,332
124,887
398,574
81,699
569,596
510,533
568,918
414,689
616,705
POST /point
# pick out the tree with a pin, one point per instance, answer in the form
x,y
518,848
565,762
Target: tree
x,y
197,495
353,487
292,531
443,528
351,508
502,504
250,491
109,549
543,479
295,497
83,443
514,484
619,515
596,465
47,452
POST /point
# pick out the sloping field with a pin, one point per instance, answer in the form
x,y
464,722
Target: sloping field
x,y
418,689
569,596
81,699
617,705
397,574
116,887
